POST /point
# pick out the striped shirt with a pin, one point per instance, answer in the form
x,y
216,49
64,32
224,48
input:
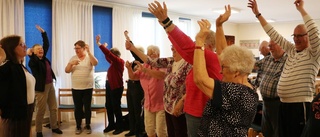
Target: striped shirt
x,y
271,72
297,80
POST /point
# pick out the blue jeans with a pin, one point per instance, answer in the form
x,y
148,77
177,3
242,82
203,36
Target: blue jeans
x,y
193,124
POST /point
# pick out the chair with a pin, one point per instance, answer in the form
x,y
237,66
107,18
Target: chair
x,y
67,93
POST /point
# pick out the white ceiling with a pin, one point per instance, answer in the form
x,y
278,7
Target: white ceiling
x,y
278,10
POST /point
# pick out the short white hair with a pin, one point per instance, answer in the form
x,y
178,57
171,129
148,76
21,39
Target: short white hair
x,y
238,59
154,49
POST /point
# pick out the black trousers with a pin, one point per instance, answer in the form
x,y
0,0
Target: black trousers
x,y
134,97
176,126
113,105
82,99
292,118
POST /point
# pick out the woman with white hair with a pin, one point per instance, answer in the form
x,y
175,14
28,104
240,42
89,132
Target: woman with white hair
x,y
233,101
152,82
174,88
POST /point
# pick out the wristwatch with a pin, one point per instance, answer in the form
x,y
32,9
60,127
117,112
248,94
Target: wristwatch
x,y
199,47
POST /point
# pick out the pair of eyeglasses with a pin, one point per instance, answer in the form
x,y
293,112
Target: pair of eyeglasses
x,y
23,44
298,35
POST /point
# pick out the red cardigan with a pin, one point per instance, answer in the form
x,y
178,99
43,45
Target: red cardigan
x,y
115,71
195,100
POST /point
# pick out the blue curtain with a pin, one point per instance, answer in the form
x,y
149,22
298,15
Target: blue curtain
x,y
37,12
102,24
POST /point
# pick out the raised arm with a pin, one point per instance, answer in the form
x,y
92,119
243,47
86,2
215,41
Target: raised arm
x,y
300,7
182,43
93,59
273,34
312,28
161,12
221,41
254,6
132,48
135,56
152,72
45,40
109,56
200,73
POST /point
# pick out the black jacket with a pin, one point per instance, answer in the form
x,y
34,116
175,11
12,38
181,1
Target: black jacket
x,y
13,91
38,66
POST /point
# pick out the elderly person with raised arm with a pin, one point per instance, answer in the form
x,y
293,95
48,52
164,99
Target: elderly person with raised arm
x,y
45,92
233,101
174,88
195,100
114,87
152,82
297,82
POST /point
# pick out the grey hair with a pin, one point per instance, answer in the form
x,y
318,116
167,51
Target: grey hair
x,y
115,51
238,59
154,49
140,48
211,39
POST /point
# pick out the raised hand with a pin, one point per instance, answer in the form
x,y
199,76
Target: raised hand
x,y
105,44
224,17
129,45
87,48
205,26
253,5
98,37
128,64
29,51
126,35
158,11
299,4
140,67
39,28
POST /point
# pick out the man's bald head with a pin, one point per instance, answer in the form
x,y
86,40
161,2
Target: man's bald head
x,y
263,48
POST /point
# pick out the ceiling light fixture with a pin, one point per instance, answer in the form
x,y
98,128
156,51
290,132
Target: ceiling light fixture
x,y
221,11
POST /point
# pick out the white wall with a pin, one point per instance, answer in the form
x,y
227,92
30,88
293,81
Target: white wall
x,y
255,31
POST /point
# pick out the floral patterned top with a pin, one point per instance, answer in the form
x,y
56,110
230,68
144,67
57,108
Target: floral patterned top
x,y
174,83
230,112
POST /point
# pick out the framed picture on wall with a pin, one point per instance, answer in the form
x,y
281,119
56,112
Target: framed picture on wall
x,y
250,44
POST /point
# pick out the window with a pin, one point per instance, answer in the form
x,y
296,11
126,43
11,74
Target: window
x,y
185,25
153,33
